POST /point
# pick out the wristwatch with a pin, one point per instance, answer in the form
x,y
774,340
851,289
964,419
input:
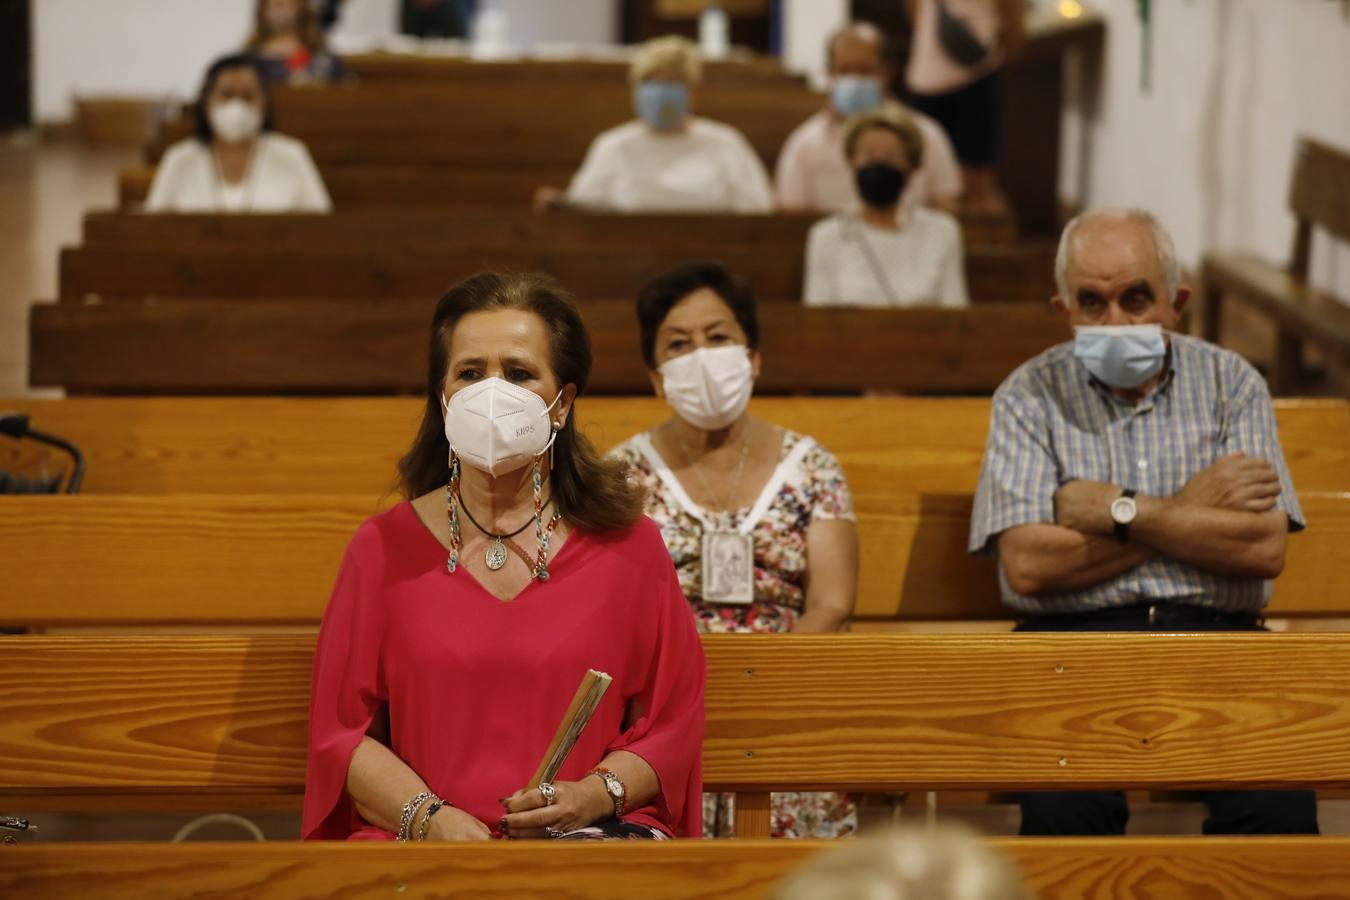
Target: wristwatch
x,y
614,787
1123,511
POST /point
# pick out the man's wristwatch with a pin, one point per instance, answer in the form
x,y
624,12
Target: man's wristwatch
x,y
1123,511
618,793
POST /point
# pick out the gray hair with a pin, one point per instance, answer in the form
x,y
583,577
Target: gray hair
x,y
1162,242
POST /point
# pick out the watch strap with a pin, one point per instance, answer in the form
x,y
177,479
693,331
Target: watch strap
x,y
614,786
1122,529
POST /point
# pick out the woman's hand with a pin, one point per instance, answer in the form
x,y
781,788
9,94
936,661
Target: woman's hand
x,y
580,803
451,824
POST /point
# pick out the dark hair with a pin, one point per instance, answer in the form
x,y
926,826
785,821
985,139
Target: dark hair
x,y
213,73
592,492
309,27
660,295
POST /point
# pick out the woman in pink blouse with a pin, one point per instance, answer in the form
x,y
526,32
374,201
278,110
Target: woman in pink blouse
x,y
757,518
464,618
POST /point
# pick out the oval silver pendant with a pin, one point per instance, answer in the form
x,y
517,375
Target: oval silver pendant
x,y
495,557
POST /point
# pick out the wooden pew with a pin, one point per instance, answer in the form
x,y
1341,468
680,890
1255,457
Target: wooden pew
x,y
271,559
1319,197
379,346
266,445
782,234
500,123
409,265
402,187
86,717
1278,868
378,68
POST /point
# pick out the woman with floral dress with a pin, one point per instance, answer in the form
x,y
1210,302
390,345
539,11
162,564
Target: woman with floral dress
x,y
758,519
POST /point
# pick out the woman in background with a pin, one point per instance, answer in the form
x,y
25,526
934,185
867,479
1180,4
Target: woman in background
x,y
289,40
235,162
889,253
667,159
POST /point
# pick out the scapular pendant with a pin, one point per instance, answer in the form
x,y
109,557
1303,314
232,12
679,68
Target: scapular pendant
x,y
495,557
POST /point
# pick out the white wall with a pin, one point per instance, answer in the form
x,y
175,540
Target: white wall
x,y
806,25
159,48
1210,148
141,48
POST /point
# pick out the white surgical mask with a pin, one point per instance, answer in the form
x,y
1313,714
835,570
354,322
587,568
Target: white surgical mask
x,y
498,427
711,387
235,121
1122,356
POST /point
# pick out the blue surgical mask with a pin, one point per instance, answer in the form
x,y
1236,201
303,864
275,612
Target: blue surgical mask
x,y
663,105
853,94
1122,356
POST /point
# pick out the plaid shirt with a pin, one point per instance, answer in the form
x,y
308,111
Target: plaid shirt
x,y
1053,423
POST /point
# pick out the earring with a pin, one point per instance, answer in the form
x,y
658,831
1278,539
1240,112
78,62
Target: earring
x,y
452,510
557,427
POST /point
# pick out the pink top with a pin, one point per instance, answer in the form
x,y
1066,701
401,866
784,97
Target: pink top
x,y
812,174
475,687
931,70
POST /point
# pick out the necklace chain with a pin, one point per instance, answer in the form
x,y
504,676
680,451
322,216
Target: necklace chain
x,y
501,537
735,483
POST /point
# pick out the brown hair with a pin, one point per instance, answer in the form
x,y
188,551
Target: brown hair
x,y
311,34
592,491
893,118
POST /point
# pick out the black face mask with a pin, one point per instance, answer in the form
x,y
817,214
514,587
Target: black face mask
x,y
880,184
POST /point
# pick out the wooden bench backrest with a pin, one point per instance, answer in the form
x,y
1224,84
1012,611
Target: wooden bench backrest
x,y
375,68
261,445
1319,197
1273,868
501,123
414,267
85,716
379,347
271,559
479,226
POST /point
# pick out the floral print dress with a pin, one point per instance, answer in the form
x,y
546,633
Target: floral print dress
x,y
808,485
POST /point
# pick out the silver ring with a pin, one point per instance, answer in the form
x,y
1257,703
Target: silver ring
x,y
553,833
548,792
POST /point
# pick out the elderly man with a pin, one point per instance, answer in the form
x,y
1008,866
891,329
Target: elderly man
x,y
813,175
1133,480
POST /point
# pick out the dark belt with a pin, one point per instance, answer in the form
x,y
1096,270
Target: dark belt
x,y
1161,614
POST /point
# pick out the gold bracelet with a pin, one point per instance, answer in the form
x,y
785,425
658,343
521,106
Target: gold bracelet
x,y
432,808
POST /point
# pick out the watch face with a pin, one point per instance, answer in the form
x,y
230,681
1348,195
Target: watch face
x,y
1123,510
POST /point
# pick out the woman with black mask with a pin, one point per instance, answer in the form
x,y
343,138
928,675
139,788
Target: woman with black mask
x,y
893,251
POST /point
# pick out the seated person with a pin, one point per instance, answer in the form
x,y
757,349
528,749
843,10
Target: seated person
x,y
758,519
930,862
1133,481
235,162
667,159
813,174
290,45
464,617
887,254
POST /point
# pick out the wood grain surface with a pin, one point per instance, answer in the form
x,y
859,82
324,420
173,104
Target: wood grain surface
x,y
1187,868
414,266
254,445
272,558
328,346
88,716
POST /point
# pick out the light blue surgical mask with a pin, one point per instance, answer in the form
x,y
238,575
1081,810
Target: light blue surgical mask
x,y
1122,356
853,94
663,105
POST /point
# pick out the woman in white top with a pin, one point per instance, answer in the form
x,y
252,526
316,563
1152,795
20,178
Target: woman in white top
x,y
667,159
886,254
235,162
